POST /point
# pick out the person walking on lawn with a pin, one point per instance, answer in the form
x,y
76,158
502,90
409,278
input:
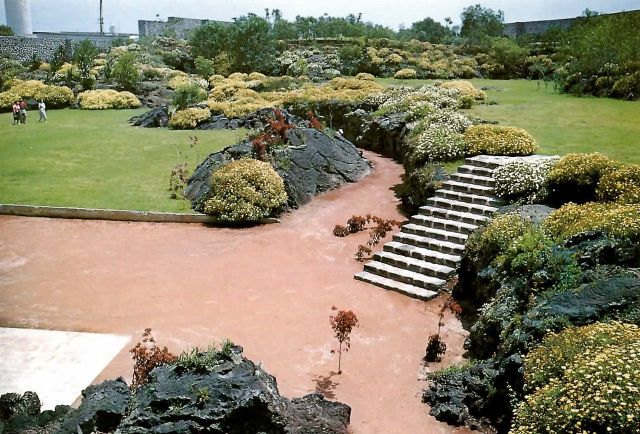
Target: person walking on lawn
x,y
16,112
23,112
42,109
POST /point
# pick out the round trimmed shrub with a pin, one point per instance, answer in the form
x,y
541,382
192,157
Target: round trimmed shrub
x,y
365,76
107,99
575,177
499,140
189,118
406,74
245,190
622,185
53,96
583,379
465,88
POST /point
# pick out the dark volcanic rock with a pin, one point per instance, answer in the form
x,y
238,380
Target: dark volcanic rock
x,y
158,117
235,396
534,213
385,135
102,409
255,121
314,162
313,414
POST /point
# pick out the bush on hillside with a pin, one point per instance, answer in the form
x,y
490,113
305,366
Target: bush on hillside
x,y
107,99
419,185
245,190
499,140
489,241
524,181
465,88
53,96
406,74
621,185
435,143
576,176
189,118
583,380
188,94
616,220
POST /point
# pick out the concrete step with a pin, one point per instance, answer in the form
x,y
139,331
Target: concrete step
x,y
475,170
439,234
404,276
432,222
393,285
469,198
417,265
463,187
456,205
453,215
486,161
429,242
431,255
473,179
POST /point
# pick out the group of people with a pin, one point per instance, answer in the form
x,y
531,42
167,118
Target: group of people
x,y
19,110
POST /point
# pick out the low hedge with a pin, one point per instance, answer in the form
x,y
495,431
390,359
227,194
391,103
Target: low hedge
x,y
583,379
499,140
107,99
245,190
189,118
53,96
614,219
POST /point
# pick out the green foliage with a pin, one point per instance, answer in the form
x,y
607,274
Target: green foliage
x,y
245,190
427,30
583,380
84,55
419,185
6,30
9,69
499,140
510,56
617,220
125,72
188,94
205,68
479,23
576,176
203,361
489,241
596,65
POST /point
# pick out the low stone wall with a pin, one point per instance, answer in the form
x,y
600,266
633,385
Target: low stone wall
x,y
174,26
44,46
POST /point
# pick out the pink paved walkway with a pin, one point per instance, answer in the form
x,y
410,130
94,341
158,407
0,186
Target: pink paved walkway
x,y
268,288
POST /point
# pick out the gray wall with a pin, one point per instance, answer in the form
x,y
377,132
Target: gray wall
x,y
45,44
179,27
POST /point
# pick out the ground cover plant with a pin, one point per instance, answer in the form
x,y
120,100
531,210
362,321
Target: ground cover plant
x,y
94,159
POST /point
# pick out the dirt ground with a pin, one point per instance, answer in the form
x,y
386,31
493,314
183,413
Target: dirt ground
x,y
269,289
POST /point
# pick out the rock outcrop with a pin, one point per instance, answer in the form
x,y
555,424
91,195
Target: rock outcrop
x,y
220,394
155,118
313,162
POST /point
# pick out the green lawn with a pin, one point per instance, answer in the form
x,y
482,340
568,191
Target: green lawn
x,y
95,159
560,123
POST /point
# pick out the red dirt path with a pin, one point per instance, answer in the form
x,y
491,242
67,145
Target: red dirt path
x,y
268,288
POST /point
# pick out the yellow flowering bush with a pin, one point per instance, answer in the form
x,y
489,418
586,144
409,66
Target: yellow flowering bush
x,y
189,118
465,88
365,76
496,237
582,169
65,69
245,190
621,185
53,96
499,140
107,99
619,220
583,379
405,74
185,80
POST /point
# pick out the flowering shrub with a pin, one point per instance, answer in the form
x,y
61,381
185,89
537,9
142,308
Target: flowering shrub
x,y
575,177
523,180
496,237
437,142
189,118
53,96
499,140
107,99
583,379
405,74
621,185
465,88
182,80
244,191
618,220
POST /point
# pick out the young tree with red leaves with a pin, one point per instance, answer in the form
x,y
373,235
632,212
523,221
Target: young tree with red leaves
x,y
342,324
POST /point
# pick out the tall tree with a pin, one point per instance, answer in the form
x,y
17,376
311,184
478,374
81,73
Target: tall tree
x,y
480,23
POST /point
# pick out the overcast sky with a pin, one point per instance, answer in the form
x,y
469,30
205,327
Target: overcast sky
x,y
82,15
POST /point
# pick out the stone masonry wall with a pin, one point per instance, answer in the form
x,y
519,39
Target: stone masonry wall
x,y
22,48
174,26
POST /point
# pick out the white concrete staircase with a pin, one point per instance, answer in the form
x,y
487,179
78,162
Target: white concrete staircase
x,y
428,249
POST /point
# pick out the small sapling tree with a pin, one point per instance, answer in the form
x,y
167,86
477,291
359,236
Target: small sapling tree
x,y
342,323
